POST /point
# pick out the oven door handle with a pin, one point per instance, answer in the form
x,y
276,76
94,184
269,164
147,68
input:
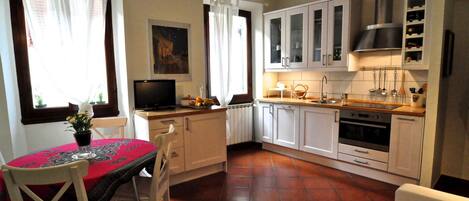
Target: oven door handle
x,y
362,124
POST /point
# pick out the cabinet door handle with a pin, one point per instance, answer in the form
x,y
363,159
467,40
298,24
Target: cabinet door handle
x,y
271,109
187,124
405,119
287,62
360,151
360,162
174,154
329,59
323,59
283,61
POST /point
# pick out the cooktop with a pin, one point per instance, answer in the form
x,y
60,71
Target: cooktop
x,y
373,105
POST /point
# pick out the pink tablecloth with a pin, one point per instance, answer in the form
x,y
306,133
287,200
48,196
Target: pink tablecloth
x,y
116,162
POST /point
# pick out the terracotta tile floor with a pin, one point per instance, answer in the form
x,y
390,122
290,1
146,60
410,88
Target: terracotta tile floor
x,y
258,175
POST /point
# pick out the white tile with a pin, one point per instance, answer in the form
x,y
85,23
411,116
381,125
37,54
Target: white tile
x,y
368,75
361,87
288,83
313,85
289,76
338,87
341,75
312,75
416,76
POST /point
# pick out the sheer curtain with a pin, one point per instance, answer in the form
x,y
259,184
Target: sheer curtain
x,y
69,46
223,76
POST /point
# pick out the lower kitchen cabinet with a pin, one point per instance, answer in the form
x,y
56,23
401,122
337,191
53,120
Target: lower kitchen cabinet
x,y
199,141
286,126
204,140
319,131
405,149
266,118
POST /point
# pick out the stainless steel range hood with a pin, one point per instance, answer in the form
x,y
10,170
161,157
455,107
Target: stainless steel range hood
x,y
383,35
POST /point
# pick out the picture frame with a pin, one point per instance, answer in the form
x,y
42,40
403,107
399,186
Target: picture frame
x,y
169,50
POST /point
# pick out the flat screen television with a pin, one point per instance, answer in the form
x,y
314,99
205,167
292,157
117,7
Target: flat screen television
x,y
154,94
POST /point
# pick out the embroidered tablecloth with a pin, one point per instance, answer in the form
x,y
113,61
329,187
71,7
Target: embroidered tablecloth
x,y
116,162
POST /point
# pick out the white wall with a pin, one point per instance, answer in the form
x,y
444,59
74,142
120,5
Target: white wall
x,y
15,128
455,161
136,16
5,135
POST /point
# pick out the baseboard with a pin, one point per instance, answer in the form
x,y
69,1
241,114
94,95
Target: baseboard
x,y
244,145
340,165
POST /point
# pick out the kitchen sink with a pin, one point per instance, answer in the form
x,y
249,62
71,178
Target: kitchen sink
x,y
330,101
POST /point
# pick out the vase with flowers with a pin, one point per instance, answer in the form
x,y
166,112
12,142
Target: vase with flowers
x,y
80,125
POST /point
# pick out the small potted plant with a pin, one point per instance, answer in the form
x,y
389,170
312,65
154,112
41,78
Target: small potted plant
x,y
100,99
39,102
80,125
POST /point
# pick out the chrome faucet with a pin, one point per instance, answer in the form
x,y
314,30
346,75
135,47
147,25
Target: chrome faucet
x,y
323,98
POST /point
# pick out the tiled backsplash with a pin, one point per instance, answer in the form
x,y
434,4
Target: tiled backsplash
x,y
356,84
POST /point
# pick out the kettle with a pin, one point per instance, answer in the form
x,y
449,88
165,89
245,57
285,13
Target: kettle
x,y
301,90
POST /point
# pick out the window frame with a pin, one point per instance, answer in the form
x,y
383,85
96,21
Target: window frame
x,y
238,98
31,115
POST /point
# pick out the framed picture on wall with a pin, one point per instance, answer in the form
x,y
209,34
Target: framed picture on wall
x,y
169,50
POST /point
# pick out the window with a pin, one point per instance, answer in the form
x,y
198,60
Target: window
x,y
242,45
37,54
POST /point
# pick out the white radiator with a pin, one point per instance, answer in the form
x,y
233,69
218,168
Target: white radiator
x,y
240,123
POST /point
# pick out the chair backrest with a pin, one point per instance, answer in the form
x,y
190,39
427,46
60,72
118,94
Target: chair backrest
x,y
17,179
111,124
160,179
2,160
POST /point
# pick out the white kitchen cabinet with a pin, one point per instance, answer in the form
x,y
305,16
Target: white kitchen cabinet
x,y
286,126
297,37
205,140
317,54
329,31
198,144
274,44
286,36
405,149
319,131
266,117
338,30
323,42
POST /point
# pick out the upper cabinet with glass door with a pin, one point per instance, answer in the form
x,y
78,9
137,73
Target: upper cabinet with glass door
x,y
274,30
317,36
338,43
330,32
286,35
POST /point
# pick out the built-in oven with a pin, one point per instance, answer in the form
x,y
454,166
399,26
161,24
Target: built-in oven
x,y
371,130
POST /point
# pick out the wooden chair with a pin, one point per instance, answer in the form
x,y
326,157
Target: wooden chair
x,y
159,188
2,160
16,179
114,123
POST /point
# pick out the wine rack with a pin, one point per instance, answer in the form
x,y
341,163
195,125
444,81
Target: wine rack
x,y
415,36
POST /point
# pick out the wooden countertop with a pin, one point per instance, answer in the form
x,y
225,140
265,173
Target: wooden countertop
x,y
178,112
402,110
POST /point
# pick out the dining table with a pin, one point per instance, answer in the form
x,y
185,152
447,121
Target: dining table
x,y
116,162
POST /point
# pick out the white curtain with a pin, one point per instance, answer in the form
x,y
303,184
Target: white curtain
x,y
69,46
222,62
